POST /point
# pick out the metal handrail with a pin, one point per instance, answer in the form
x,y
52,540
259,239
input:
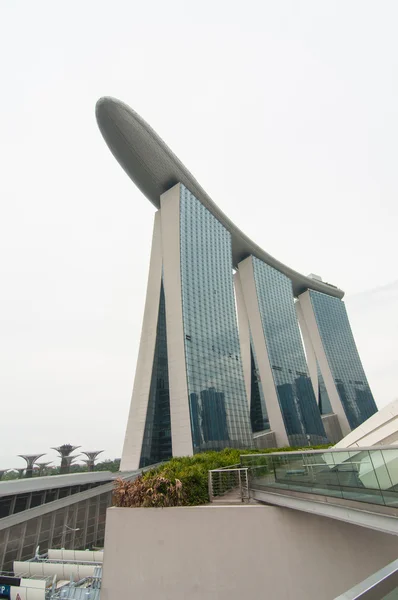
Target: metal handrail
x,y
363,475
375,587
239,482
352,449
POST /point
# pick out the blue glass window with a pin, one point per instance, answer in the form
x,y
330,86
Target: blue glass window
x,y
258,411
343,358
286,354
156,445
219,408
325,407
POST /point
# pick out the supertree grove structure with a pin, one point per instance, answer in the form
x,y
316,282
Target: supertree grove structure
x,y
31,459
65,452
91,457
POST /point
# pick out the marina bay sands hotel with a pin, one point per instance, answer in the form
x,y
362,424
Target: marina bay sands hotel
x,y
237,349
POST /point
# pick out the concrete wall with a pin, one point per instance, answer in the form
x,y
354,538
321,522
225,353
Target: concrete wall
x,y
234,552
332,428
265,439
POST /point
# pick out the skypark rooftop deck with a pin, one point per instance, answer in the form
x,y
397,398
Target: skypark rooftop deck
x,y
154,168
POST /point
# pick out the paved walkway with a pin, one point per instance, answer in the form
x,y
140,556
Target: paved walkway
x,y
232,497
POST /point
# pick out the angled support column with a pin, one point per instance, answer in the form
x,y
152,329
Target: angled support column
x,y
244,334
253,312
309,350
142,382
179,407
306,313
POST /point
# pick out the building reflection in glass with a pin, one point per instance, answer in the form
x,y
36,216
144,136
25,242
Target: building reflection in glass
x,y
156,445
343,358
209,419
258,412
285,350
219,410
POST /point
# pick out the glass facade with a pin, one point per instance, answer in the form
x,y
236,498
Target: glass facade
x,y
156,445
258,412
343,358
325,407
296,396
219,409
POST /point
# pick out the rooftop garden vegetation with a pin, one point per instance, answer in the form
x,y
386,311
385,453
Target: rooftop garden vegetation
x,y
180,481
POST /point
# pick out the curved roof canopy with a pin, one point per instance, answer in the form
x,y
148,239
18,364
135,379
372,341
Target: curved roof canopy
x,y
154,169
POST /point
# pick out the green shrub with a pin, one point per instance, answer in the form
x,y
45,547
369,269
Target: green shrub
x,y
154,491
181,481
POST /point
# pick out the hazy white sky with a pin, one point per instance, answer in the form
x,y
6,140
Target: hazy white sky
x,y
286,112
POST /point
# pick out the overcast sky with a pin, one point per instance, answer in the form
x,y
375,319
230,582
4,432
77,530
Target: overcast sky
x,y
285,111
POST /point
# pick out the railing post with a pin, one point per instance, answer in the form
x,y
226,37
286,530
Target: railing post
x,y
240,485
221,481
211,496
247,483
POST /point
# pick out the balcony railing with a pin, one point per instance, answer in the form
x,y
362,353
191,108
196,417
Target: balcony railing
x,y
365,474
229,482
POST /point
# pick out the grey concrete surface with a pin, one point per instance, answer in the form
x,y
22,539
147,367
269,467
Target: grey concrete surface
x,y
234,552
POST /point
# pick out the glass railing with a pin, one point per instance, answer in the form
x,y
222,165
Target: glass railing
x,y
365,474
